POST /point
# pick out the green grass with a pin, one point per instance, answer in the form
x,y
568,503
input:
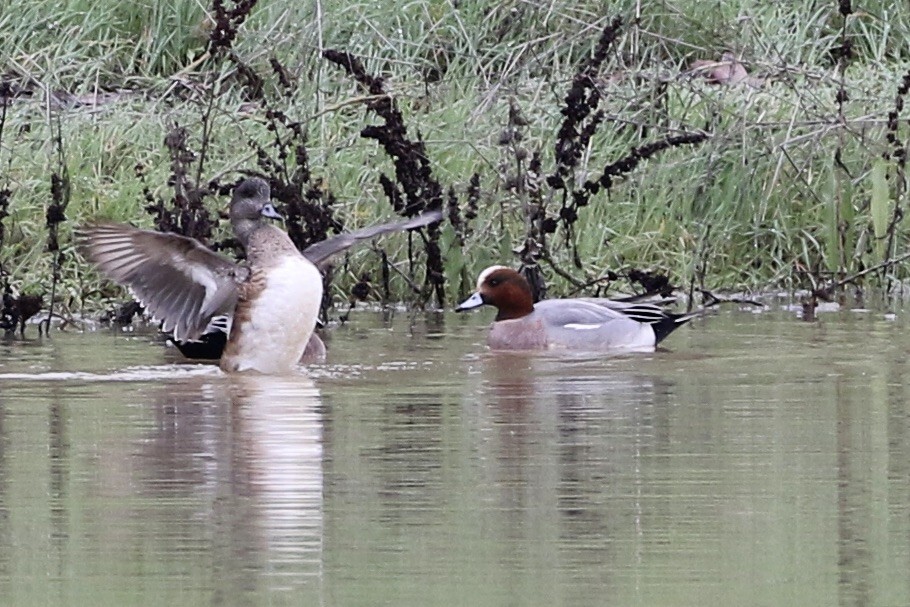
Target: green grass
x,y
759,202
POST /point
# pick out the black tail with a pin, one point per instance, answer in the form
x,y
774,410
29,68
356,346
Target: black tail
x,y
210,346
671,322
662,322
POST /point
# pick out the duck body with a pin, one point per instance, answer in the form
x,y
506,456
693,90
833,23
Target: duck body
x,y
257,315
585,324
566,324
276,310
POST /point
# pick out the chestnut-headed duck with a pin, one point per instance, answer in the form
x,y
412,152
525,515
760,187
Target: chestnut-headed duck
x,y
267,306
587,324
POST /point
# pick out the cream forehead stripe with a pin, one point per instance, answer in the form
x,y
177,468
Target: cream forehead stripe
x,y
483,275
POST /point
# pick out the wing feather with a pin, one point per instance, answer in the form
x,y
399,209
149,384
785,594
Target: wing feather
x,y
321,251
178,280
591,311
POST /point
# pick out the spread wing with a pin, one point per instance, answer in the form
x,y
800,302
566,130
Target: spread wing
x,y
179,281
321,251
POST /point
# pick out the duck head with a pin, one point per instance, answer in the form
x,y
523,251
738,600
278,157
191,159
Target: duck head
x,y
250,202
503,288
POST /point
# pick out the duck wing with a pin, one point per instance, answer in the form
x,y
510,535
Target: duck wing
x,y
321,251
178,280
573,312
651,312
579,324
611,318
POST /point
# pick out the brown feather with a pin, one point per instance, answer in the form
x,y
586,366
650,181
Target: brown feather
x,y
179,281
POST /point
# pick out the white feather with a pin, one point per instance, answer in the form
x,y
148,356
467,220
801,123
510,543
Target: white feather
x,y
203,276
282,318
581,327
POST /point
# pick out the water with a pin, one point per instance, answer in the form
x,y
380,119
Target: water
x,y
757,460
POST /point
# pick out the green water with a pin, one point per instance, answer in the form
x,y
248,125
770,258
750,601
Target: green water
x,y
757,460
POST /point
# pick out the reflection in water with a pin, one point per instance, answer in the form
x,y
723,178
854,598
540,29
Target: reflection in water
x,y
58,495
6,550
278,444
248,451
760,462
202,490
852,489
873,488
593,426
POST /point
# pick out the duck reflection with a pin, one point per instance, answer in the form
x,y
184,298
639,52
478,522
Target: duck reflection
x,y
570,403
568,437
252,445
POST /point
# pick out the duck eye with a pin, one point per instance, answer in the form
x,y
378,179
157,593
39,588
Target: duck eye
x,y
495,282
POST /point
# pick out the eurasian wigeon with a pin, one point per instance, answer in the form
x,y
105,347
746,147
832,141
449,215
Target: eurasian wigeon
x,y
566,324
268,305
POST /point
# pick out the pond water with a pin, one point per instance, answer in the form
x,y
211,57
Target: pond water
x,y
756,460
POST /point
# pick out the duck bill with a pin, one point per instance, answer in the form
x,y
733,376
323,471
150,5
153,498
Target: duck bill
x,y
474,301
270,212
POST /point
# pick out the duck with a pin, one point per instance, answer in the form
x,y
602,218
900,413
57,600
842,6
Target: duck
x,y
267,306
16,311
581,324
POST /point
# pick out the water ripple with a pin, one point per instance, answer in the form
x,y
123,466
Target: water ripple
x,y
142,373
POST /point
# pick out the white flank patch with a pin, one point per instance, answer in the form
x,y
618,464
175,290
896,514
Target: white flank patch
x,y
581,327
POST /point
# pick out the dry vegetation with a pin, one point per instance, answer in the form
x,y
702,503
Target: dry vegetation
x,y
722,145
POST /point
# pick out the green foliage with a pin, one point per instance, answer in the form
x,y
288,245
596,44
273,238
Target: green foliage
x,y
759,203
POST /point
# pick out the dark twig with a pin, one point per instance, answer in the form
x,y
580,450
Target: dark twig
x,y
713,299
898,153
187,214
580,114
227,22
581,121
415,189
55,215
842,55
415,288
639,154
5,193
566,275
701,263
827,291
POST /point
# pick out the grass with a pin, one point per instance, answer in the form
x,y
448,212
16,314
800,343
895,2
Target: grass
x,y
790,189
